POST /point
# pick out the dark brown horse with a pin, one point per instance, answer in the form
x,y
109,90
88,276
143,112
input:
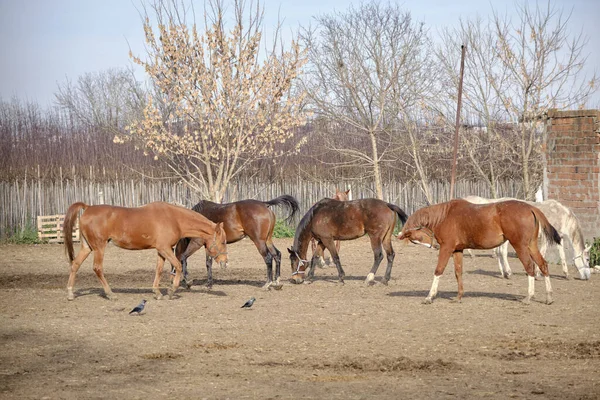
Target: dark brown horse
x,y
341,196
458,225
246,218
154,226
330,220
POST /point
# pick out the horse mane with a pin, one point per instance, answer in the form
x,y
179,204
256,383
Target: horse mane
x,y
202,204
429,217
305,222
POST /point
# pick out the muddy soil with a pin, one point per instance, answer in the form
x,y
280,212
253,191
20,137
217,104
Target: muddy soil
x,y
312,341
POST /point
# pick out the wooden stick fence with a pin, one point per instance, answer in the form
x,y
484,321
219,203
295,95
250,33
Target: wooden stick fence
x,y
23,201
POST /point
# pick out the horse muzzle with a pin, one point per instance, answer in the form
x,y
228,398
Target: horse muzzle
x,y
297,278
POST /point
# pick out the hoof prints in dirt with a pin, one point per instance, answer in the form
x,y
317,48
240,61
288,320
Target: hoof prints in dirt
x,y
538,348
390,365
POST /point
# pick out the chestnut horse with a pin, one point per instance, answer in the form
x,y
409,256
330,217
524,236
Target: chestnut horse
x,y
329,220
341,196
458,225
566,223
154,226
245,218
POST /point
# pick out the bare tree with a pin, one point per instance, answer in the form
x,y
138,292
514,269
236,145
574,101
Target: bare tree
x,y
361,77
227,104
516,71
482,143
108,100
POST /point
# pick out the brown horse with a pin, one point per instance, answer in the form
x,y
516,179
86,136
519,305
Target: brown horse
x,y
154,226
240,219
458,225
330,220
341,196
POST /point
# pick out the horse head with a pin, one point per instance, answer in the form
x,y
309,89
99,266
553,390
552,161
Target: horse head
x,y
216,246
342,196
298,266
419,235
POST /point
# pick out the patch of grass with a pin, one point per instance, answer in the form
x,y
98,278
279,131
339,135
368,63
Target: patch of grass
x,y
283,230
595,252
26,235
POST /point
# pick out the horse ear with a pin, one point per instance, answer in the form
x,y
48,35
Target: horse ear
x,y
588,247
290,250
347,191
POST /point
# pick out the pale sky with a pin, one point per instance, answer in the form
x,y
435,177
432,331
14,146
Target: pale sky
x,y
44,42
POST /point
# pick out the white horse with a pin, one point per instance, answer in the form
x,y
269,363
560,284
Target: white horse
x,y
564,221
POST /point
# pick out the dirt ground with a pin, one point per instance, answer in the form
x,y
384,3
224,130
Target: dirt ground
x,y
318,341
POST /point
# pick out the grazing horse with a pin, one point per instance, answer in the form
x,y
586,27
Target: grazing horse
x,y
245,218
565,222
341,196
458,225
154,226
329,220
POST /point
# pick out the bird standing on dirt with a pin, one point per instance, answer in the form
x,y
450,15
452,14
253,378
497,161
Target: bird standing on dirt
x,y
139,308
249,303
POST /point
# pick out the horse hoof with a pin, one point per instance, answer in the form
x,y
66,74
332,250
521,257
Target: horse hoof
x,y
158,296
111,296
427,301
527,302
549,301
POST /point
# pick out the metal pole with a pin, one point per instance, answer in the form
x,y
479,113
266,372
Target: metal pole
x,y
458,107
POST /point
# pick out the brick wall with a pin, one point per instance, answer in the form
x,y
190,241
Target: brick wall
x,y
572,166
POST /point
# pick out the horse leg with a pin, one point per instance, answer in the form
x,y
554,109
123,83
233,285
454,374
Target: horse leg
x,y
318,254
160,262
502,257
536,255
329,244
377,258
458,266
98,269
209,276
84,252
168,254
276,254
261,246
563,259
184,250
387,246
443,258
525,257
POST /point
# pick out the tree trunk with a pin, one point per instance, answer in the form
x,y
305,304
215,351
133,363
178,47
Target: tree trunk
x,y
376,171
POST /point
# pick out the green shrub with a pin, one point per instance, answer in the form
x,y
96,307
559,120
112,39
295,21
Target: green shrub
x,y
595,253
27,235
283,230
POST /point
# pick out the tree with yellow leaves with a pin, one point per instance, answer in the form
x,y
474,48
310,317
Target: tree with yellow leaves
x,y
221,103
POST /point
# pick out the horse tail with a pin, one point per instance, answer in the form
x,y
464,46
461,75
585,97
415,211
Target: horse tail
x,y
401,214
70,219
287,201
551,235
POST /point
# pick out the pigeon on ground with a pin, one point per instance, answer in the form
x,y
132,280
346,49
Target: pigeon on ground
x,y
249,303
139,308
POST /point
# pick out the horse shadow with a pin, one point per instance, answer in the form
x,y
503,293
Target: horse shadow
x,y
146,291
448,295
496,274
